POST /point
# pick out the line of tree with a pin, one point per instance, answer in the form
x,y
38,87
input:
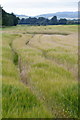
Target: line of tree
x,y
8,19
44,21
11,20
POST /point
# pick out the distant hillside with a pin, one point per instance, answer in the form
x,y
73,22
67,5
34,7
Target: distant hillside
x,y
22,16
68,15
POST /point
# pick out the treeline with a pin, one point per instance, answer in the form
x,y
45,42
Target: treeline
x,y
8,19
12,20
44,21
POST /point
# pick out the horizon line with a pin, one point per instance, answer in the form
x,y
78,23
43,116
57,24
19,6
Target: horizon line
x,y
45,13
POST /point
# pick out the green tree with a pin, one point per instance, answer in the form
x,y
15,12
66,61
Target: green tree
x,y
9,19
53,21
63,21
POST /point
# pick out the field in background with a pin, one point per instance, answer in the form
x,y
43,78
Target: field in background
x,y
40,71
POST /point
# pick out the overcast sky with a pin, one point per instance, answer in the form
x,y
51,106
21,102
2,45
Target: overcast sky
x,y
37,7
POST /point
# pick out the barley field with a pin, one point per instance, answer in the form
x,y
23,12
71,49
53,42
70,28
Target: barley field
x,y
40,71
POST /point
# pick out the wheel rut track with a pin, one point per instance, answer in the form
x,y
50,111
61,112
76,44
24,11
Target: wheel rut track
x,y
23,69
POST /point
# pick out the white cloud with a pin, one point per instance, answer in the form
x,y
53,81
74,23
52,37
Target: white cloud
x,y
35,7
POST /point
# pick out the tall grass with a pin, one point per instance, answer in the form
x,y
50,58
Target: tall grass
x,y
18,99
50,62
0,75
